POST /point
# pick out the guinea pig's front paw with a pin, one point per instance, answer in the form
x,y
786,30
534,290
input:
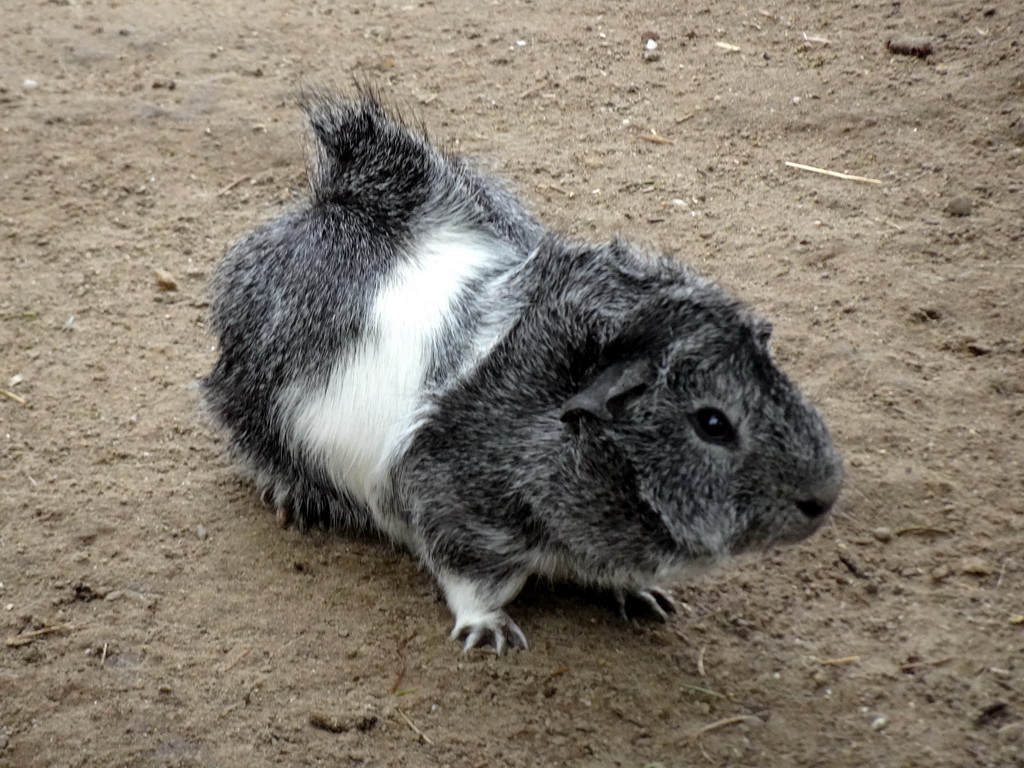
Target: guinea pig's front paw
x,y
494,629
651,602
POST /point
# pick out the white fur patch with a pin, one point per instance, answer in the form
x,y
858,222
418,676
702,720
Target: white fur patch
x,y
472,606
358,426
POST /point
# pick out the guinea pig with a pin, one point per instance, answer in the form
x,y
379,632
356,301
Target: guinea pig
x,y
410,352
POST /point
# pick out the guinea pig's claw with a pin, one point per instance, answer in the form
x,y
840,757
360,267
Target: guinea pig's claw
x,y
663,600
653,601
496,630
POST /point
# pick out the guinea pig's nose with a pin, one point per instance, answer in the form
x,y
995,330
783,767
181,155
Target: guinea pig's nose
x,y
813,508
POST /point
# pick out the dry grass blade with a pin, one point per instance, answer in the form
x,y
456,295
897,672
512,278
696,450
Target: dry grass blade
x,y
701,689
14,397
238,657
534,90
654,138
233,184
918,664
924,530
27,637
836,662
559,190
401,663
724,723
812,39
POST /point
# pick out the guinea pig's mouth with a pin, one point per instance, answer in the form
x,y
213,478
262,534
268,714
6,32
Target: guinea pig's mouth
x,y
796,534
763,535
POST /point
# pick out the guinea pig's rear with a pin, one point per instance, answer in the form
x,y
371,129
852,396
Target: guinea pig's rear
x,y
307,293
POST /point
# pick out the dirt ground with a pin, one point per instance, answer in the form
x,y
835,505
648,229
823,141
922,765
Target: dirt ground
x,y
153,613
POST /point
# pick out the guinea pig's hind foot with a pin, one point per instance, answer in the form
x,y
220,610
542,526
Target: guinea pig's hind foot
x,y
480,620
651,602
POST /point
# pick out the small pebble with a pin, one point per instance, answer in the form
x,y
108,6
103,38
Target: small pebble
x,y
976,566
940,572
882,534
1017,133
165,280
959,206
201,532
1013,733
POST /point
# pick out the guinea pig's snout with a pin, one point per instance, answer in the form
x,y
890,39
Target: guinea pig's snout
x,y
821,500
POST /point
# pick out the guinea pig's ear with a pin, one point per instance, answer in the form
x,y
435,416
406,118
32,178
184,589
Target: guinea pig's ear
x,y
610,389
762,332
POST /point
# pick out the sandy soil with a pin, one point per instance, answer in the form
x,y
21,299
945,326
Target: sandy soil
x,y
154,614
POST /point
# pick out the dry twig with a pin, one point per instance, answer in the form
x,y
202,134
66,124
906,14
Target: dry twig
x,y
329,723
852,566
557,673
412,725
835,174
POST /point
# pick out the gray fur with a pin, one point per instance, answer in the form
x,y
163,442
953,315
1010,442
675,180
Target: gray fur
x,y
561,423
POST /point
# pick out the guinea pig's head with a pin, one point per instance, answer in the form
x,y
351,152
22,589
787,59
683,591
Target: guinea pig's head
x,y
724,446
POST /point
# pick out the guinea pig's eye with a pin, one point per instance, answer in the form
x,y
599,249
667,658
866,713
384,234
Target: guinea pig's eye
x,y
713,426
